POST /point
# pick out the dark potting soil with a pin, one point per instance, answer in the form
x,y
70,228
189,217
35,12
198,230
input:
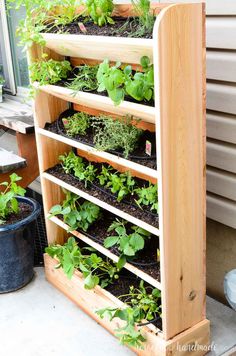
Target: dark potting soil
x,y
146,259
72,75
25,210
122,27
122,286
144,215
143,159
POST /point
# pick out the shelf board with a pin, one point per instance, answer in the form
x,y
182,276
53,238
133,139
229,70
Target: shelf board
x,y
99,102
142,171
153,230
107,253
125,50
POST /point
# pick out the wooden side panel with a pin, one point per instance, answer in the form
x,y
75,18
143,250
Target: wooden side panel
x,y
180,141
98,298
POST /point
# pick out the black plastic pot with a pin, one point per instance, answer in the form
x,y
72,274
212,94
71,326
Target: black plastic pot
x,y
17,250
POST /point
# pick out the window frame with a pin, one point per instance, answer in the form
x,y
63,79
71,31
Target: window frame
x,y
7,47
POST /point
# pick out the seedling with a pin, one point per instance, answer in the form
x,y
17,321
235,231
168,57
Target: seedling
x,y
8,198
77,124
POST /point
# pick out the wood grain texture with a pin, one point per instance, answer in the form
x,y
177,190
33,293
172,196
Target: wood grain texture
x,y
180,142
99,102
109,254
98,298
102,204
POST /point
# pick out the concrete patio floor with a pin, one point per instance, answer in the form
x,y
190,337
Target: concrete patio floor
x,y
39,321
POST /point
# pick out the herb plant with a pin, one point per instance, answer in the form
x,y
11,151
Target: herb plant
x,y
85,78
119,82
77,124
49,72
113,134
143,303
95,270
148,197
100,11
145,17
128,243
8,200
76,214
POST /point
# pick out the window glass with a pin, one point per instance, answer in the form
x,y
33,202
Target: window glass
x,y
3,59
19,57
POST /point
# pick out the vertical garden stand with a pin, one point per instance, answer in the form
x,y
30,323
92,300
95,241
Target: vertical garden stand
x,y
178,117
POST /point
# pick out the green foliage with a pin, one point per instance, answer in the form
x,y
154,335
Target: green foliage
x,y
145,18
2,80
128,243
95,270
142,304
85,79
8,201
76,214
113,134
148,196
49,72
119,82
77,124
75,165
99,11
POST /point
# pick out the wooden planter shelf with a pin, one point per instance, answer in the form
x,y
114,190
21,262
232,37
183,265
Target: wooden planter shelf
x,y
177,51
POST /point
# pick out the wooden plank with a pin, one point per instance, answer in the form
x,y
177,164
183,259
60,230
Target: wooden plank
x,y
221,183
221,97
144,112
102,204
98,298
221,32
126,50
9,161
180,147
221,126
91,153
107,253
221,65
221,155
222,210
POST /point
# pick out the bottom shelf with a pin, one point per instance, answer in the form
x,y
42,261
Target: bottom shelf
x,y
196,337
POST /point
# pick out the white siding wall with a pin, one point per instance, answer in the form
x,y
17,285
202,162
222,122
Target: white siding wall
x,y
221,109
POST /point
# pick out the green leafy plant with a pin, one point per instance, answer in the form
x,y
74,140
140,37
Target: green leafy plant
x,y
128,243
75,165
145,17
95,270
49,72
100,11
85,78
113,134
77,124
2,80
119,82
148,197
76,214
143,303
8,200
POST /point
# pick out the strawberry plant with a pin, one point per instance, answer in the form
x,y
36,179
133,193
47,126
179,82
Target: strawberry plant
x,y
148,197
119,82
77,124
76,214
49,72
8,198
128,243
95,270
141,304
113,134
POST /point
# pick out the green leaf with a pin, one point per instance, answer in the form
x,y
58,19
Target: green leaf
x,y
111,241
121,262
91,281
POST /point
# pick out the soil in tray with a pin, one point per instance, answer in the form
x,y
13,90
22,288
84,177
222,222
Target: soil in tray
x,y
118,29
146,259
122,286
25,210
58,128
144,215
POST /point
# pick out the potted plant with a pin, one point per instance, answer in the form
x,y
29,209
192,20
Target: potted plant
x,y
17,227
2,81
